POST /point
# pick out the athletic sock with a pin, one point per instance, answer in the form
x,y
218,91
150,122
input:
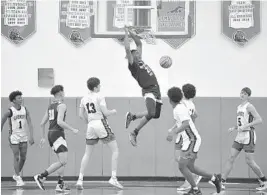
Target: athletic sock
x,y
44,174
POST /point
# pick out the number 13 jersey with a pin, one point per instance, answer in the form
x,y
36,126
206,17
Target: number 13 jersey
x,y
18,121
92,103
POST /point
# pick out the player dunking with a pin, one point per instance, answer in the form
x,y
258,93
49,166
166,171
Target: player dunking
x,y
147,80
189,92
247,118
18,117
94,111
191,142
56,114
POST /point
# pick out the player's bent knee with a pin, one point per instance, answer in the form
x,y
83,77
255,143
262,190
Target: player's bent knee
x,y
61,149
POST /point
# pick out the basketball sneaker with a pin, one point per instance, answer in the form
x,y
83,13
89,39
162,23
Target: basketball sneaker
x,y
194,192
79,184
20,182
39,181
187,186
218,182
113,181
263,186
132,138
62,187
129,118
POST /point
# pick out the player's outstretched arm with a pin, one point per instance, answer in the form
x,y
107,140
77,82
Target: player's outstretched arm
x,y
194,116
104,109
43,123
4,118
60,118
82,114
137,41
127,47
29,121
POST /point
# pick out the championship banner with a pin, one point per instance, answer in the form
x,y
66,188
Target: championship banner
x,y
75,20
170,20
18,21
241,20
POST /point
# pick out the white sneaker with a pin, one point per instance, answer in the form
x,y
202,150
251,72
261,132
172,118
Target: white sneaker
x,y
62,188
197,179
15,177
20,181
79,184
113,181
185,186
263,186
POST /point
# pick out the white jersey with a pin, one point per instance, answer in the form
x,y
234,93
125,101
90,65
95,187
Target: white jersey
x,y
181,113
189,104
243,118
18,121
92,103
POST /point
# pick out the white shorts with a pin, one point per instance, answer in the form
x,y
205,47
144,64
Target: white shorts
x,y
18,138
99,129
246,137
192,146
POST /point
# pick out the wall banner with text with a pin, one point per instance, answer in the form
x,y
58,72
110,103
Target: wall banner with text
x,y
75,20
18,20
241,20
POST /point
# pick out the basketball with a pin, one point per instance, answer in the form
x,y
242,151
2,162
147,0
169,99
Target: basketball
x,y
165,61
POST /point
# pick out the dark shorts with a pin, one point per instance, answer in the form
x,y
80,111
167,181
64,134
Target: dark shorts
x,y
154,89
153,108
57,141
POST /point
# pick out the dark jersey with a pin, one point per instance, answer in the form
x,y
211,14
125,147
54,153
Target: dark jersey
x,y
143,74
53,114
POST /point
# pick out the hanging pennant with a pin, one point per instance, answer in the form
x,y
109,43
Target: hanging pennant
x,y
241,20
18,21
75,20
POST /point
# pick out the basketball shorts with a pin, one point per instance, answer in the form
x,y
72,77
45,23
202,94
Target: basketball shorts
x,y
15,139
246,143
57,141
153,92
190,149
99,130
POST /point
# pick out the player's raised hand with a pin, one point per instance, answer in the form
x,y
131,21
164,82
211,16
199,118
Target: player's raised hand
x,y
42,142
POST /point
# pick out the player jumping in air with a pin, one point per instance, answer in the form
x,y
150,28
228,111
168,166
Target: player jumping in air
x,y
147,80
56,114
93,111
18,117
189,92
191,142
247,118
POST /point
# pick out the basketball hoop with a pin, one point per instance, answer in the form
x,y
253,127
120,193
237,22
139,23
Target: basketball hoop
x,y
142,31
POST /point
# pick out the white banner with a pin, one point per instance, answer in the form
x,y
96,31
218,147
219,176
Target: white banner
x,y
241,14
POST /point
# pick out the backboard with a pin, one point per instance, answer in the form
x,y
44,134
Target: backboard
x,y
168,19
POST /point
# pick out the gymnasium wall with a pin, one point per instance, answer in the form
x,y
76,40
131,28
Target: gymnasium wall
x,y
154,156
217,67
213,63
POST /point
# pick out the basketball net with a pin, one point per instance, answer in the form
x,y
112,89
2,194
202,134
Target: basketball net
x,y
146,34
143,32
